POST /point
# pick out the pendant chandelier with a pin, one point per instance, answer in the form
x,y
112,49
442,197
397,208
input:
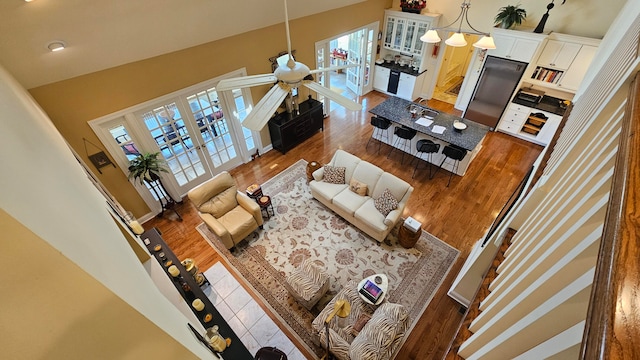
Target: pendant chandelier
x,y
457,39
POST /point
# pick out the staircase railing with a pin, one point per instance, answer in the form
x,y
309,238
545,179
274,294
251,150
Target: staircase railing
x,y
612,329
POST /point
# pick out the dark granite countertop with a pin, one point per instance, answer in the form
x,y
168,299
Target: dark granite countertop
x,y
396,110
405,69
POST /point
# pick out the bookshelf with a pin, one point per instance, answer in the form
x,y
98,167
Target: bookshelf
x,y
547,75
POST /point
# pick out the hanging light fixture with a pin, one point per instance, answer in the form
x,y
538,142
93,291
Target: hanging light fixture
x,y
457,39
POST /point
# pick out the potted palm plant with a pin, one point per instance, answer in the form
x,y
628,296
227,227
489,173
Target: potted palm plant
x,y
510,15
146,168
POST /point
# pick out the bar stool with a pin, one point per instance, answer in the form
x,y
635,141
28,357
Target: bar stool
x,y
380,128
454,153
405,135
428,147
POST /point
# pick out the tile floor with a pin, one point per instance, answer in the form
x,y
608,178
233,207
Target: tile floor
x,y
249,321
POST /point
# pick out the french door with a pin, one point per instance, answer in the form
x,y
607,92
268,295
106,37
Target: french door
x,y
360,54
197,131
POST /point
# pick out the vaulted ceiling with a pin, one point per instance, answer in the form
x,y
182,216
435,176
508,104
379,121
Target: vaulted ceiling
x,y
101,34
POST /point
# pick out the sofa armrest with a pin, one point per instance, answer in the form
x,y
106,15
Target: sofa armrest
x,y
318,174
251,206
392,218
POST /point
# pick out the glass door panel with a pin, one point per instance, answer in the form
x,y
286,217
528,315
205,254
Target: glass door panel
x,y
388,37
417,44
354,52
367,84
243,107
408,36
167,127
397,40
121,136
322,61
214,132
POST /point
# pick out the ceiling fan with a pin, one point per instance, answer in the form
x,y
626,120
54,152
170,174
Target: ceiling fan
x,y
289,75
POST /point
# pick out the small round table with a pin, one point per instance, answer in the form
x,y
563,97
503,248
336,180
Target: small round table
x,y
383,284
311,167
266,207
407,238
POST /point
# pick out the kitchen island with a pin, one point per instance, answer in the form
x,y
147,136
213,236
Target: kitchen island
x,y
397,110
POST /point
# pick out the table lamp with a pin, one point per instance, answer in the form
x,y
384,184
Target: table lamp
x,y
342,309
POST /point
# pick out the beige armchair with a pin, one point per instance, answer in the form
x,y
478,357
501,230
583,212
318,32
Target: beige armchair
x,y
229,213
378,339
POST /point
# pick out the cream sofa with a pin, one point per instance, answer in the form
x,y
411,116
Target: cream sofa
x,y
360,210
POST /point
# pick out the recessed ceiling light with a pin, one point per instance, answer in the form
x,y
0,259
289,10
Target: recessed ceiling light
x,y
28,0
56,45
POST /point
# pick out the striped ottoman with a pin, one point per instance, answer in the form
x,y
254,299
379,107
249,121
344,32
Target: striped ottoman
x,y
308,283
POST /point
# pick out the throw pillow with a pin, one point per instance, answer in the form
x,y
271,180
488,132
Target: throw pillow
x,y
358,187
385,203
334,174
359,324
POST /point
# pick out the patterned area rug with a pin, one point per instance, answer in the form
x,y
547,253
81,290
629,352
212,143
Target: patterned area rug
x,y
304,228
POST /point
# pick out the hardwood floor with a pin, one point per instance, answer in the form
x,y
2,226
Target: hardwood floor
x,y
459,214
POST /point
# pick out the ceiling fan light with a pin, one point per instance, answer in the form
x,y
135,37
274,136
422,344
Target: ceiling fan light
x,y
456,40
485,42
431,36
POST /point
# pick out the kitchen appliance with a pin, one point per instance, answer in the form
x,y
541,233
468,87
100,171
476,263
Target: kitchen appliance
x,y
530,95
394,80
497,82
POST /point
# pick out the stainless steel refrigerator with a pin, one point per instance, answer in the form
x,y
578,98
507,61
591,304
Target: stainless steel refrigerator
x,y
493,91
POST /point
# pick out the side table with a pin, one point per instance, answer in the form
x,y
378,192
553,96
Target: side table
x,y
407,237
381,281
311,167
266,207
254,191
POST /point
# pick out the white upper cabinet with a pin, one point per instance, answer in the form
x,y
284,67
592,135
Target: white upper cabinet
x,y
564,61
574,75
558,54
515,45
403,31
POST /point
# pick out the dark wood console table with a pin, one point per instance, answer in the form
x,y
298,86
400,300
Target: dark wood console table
x,y
151,238
289,129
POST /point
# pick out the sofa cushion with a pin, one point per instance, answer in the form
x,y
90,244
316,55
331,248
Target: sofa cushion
x,y
349,201
358,187
238,221
387,324
325,191
221,204
349,161
386,202
334,174
397,186
368,214
367,173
